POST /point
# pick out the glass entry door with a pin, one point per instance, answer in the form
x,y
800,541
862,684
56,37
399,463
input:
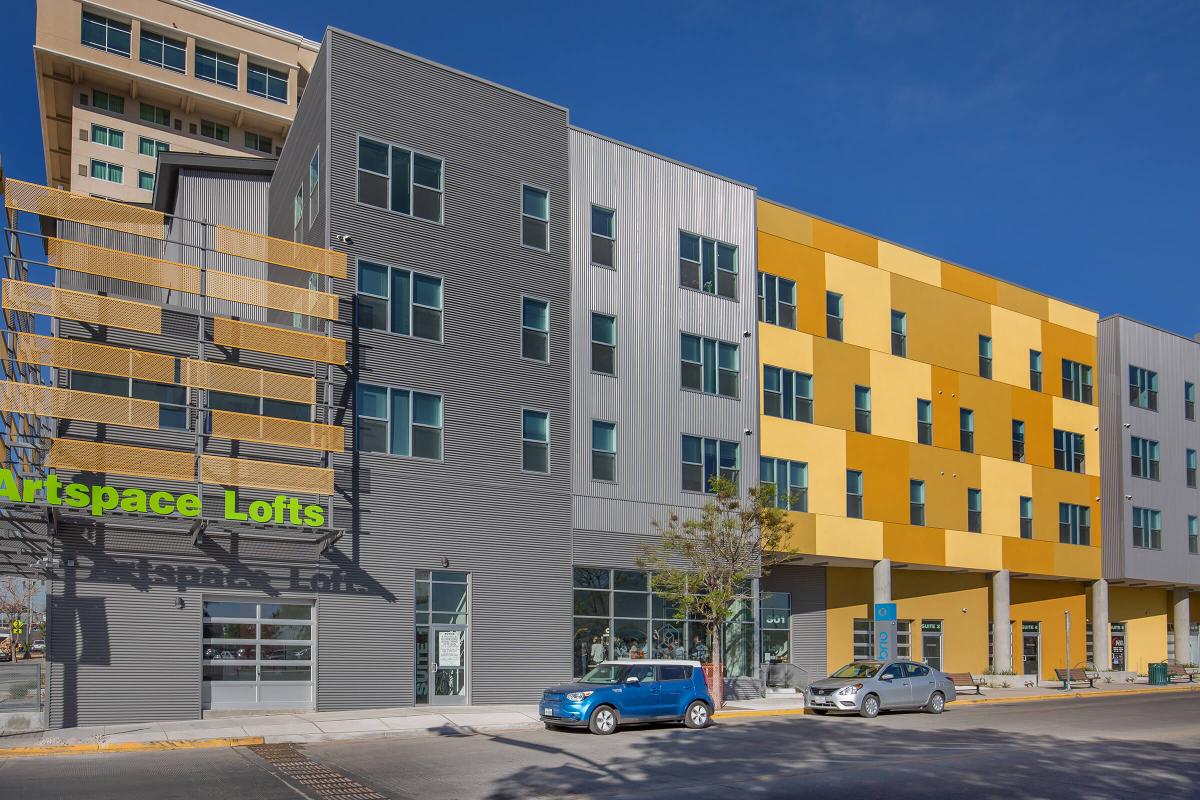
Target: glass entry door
x,y
448,665
1031,647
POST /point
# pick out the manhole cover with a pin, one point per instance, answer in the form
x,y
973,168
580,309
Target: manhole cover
x,y
317,778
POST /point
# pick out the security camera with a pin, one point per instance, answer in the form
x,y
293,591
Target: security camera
x,y
746,334
343,238
748,431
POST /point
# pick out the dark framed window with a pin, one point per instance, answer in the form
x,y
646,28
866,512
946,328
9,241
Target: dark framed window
x,y
1190,469
214,130
399,421
399,300
916,502
604,236
1018,441
400,180
535,217
146,180
708,365
604,451
854,493
974,511
1025,510
899,333
1076,381
708,265
1143,388
834,310
704,459
966,430
105,171
266,82
108,102
787,394
1074,524
314,186
1193,534
1035,370
218,68
535,329
163,51
1143,457
1147,528
102,33
776,300
985,356
535,440
151,147
862,409
256,141
1068,451
156,115
1189,401
172,398
924,421
110,137
604,344
789,479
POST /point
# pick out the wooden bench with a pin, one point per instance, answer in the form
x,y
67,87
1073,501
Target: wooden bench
x,y
1076,676
965,679
1175,671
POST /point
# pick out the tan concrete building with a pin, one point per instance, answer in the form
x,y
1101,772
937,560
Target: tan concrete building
x,y
122,80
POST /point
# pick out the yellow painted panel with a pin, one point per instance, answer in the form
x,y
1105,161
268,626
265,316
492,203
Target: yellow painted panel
x,y
837,369
910,544
992,403
823,449
1022,301
1059,343
898,383
867,301
781,347
833,238
779,221
841,537
944,385
1013,336
910,264
1029,556
804,265
884,464
968,282
1145,612
802,538
1036,410
974,550
1073,561
1044,602
1004,483
1074,317
1078,418
947,475
943,327
848,594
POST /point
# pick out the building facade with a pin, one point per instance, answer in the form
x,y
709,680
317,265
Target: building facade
x,y
122,81
1150,440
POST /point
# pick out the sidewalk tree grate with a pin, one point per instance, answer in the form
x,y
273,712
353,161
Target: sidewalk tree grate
x,y
326,783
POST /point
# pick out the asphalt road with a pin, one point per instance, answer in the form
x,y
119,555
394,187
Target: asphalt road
x,y
1124,747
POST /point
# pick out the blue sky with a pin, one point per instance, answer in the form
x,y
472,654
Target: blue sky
x,y
1051,144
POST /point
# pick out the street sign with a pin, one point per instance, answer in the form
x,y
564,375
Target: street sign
x,y
18,627
885,630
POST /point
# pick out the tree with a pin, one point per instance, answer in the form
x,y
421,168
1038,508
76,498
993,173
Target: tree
x,y
16,599
704,565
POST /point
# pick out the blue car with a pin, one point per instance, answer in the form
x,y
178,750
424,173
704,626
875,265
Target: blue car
x,y
631,690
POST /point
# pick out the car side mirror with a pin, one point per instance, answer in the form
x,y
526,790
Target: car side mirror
x,y
632,679
885,677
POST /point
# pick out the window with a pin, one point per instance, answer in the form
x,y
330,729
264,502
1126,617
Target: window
x,y
774,621
604,236
155,114
535,218
535,329
924,421
1068,451
400,301
604,451
704,459
535,441
1190,469
401,180
163,51
260,406
399,421
974,510
916,502
105,34
966,430
314,183
1147,528
256,141
260,649
216,67
776,300
899,333
833,316
854,493
1025,510
1143,458
708,265
708,365
864,641
172,398
297,212
110,137
214,130
789,479
862,409
108,102
146,180
985,356
1143,388
266,82
787,394
1018,441
1189,401
1074,524
105,171
1035,370
604,344
1193,535
151,147
1077,381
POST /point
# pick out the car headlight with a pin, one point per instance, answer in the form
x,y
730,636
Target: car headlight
x,y
851,689
575,697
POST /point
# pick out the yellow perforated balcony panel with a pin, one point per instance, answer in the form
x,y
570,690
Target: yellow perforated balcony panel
x,y
34,298
268,294
266,475
83,209
49,351
49,401
271,250
119,459
243,380
107,263
278,341
272,430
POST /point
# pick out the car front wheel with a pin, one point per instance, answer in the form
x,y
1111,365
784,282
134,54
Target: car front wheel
x,y
697,715
870,707
603,721
936,704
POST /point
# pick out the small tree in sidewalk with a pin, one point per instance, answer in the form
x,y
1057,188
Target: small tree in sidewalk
x,y
704,566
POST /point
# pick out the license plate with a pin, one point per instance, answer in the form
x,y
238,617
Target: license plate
x,y
548,712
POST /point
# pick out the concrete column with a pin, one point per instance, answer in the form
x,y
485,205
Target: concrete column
x,y
1001,641
1183,625
883,581
1101,639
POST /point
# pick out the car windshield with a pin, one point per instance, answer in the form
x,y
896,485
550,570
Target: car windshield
x,y
605,673
859,669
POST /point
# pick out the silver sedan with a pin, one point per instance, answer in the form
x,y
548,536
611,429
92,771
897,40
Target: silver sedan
x,y
868,687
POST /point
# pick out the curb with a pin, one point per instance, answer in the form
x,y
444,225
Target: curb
x,y
1077,695
774,712
128,747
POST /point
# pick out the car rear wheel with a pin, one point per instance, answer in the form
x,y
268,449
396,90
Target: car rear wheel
x,y
603,721
936,704
869,707
697,715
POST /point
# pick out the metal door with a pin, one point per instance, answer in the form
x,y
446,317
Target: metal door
x,y
448,666
1031,646
931,649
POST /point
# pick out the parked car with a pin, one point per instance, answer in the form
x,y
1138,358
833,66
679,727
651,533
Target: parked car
x,y
631,690
5,654
868,687
38,646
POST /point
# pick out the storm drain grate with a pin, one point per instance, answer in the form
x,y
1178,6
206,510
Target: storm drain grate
x,y
326,783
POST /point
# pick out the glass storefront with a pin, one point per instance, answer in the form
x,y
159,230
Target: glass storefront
x,y
257,655
775,613
441,603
